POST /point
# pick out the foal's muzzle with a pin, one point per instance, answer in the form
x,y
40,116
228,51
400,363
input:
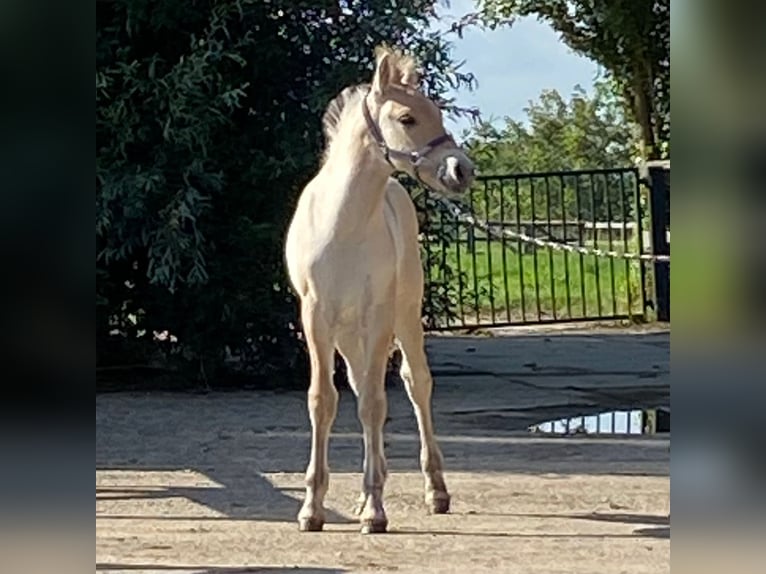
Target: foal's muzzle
x,y
454,174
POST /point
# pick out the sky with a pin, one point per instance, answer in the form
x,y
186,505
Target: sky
x,y
513,65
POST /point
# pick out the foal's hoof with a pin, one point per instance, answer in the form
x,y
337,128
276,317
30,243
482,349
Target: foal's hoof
x,y
311,524
374,526
439,504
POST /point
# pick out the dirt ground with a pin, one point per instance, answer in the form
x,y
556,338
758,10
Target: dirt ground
x,y
212,483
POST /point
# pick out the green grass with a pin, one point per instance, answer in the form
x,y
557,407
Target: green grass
x,y
496,277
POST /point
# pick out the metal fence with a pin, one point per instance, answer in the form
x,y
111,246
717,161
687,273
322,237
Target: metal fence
x,y
658,180
475,278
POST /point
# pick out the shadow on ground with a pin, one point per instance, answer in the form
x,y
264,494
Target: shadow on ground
x,y
247,495
234,438
250,497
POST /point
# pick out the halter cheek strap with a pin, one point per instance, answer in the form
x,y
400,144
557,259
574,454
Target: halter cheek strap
x,y
414,158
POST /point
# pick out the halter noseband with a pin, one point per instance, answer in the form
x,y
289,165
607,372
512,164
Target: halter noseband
x,y
414,158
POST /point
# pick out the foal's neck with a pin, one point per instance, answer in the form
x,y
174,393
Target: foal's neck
x,y
359,175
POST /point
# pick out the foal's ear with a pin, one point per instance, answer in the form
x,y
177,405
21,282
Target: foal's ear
x,y
386,72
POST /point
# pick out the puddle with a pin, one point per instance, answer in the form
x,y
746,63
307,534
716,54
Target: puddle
x,y
611,422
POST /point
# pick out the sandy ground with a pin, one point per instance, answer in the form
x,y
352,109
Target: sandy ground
x,y
212,483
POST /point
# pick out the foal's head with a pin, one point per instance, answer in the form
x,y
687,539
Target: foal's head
x,y
409,127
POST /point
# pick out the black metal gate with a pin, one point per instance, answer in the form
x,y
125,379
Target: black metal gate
x,y
479,279
658,180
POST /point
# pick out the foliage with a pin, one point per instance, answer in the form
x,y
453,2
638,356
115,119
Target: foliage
x,y
442,278
586,132
582,133
629,38
208,124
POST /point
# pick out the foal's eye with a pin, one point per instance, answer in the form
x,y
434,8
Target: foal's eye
x,y
407,120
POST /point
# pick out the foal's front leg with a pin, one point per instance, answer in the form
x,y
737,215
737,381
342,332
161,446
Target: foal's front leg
x,y
322,406
366,365
372,407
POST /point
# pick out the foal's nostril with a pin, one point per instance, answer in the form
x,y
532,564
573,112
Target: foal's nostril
x,y
458,173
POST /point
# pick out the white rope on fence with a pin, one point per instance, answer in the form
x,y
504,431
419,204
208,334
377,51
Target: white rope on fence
x,y
474,222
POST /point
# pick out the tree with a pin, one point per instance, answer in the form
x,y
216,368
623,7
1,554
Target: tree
x,y
208,125
629,38
585,132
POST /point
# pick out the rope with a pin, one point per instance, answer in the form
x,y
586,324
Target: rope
x,y
469,218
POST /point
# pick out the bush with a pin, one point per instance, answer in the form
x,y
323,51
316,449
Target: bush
x,y
208,125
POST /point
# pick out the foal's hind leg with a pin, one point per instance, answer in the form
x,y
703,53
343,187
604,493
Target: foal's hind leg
x,y
419,385
322,406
